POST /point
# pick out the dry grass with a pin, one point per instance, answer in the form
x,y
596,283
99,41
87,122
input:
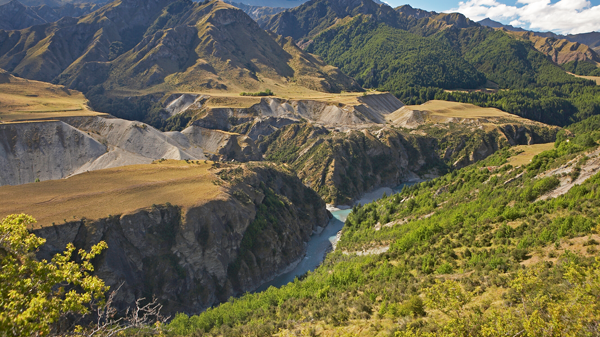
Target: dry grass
x,y
529,151
575,245
461,110
22,100
122,190
231,98
593,78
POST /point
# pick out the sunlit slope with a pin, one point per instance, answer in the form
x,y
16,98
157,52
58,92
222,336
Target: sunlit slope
x,y
22,99
98,194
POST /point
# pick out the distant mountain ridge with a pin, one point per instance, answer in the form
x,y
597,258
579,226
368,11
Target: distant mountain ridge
x,y
312,18
15,15
591,39
260,14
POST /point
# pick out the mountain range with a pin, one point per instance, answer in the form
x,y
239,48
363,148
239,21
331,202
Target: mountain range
x,y
317,168
163,43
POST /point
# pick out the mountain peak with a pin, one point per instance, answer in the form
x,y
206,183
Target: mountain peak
x,y
414,12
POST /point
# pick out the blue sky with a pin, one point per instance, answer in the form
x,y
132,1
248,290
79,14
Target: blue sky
x,y
559,16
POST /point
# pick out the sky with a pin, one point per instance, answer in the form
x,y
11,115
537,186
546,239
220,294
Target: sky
x,y
559,16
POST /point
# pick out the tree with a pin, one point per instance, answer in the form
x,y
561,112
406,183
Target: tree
x,y
34,295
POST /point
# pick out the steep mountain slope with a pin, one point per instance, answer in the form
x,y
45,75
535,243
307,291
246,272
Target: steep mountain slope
x,y
414,12
55,3
225,49
561,51
44,52
164,44
468,50
273,3
15,15
390,59
308,20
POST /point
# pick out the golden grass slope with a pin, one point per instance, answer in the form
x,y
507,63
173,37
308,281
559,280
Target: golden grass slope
x,y
527,152
460,110
98,194
413,116
22,100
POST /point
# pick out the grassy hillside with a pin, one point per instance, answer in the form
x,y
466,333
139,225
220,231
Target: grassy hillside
x,y
455,54
22,99
310,19
99,194
480,251
560,51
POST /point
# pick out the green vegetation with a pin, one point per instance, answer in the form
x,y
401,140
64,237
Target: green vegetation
x,y
268,216
36,295
475,252
391,59
560,105
266,92
582,68
417,69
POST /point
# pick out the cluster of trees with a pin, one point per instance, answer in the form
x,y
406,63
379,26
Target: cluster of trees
x,y
266,92
559,105
583,68
459,245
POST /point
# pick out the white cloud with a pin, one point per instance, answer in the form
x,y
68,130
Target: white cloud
x,y
564,16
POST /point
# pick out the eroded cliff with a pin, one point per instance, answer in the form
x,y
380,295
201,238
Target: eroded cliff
x,y
202,250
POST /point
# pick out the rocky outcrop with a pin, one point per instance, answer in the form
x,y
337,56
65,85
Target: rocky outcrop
x,y
58,149
191,258
270,114
341,166
44,151
222,145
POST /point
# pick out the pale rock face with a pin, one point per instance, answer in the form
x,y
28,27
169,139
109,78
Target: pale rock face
x,y
44,151
55,150
273,113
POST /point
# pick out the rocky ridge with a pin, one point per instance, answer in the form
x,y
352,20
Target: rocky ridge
x,y
561,51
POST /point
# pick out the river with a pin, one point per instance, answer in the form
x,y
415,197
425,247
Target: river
x,y
320,244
